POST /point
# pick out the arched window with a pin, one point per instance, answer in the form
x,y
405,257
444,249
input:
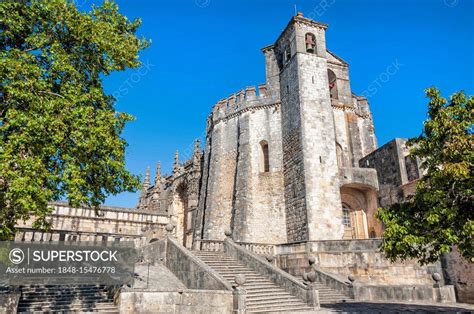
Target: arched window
x,y
339,155
264,157
332,84
346,215
310,41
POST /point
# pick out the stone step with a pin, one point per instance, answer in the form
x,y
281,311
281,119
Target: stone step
x,y
261,285
289,300
292,310
267,291
51,308
230,267
267,287
63,290
31,311
248,276
65,299
83,303
232,272
272,296
248,280
279,308
68,310
258,294
56,293
80,298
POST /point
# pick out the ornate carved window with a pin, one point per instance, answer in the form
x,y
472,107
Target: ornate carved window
x,y
265,158
310,42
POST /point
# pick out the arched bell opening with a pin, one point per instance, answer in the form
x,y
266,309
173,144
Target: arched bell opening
x,y
332,80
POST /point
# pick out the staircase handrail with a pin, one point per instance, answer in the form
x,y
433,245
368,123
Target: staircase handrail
x,y
280,277
176,266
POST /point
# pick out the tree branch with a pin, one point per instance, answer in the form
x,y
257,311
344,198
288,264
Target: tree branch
x,y
52,93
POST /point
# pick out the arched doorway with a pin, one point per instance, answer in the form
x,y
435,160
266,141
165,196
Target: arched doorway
x,y
354,208
184,219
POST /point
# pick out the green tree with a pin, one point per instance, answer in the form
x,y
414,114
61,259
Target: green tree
x,y
441,212
60,136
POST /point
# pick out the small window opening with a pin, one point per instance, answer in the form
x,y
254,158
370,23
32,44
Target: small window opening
x,y
287,54
332,84
265,158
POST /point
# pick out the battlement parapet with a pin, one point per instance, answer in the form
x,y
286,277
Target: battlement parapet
x,y
248,98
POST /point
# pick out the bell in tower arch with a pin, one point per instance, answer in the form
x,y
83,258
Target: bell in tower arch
x,y
310,41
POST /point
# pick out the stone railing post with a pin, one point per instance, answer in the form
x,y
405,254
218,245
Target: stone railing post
x,y
197,244
169,229
313,296
240,294
310,279
443,294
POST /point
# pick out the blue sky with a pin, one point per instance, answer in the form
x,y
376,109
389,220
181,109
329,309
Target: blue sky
x,y
204,50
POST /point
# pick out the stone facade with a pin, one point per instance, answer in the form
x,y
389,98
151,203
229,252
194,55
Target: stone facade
x,y
315,129
279,159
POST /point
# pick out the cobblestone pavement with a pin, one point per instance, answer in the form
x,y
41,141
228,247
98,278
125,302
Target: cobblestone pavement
x,y
392,307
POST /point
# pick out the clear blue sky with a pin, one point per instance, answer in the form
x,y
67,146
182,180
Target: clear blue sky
x,y
204,50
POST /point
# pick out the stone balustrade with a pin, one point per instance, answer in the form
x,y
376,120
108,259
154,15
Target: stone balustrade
x,y
34,235
210,245
258,248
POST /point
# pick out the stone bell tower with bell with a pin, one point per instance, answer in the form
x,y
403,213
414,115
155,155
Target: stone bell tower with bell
x,y
312,196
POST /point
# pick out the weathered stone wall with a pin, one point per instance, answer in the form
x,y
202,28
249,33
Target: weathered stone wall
x,y
222,169
460,273
389,161
360,258
259,203
174,302
318,138
293,164
237,194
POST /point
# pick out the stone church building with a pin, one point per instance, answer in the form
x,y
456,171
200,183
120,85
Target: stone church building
x,y
281,161
283,190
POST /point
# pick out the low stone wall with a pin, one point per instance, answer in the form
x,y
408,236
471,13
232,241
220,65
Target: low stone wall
x,y
176,302
155,252
360,258
190,270
405,293
9,301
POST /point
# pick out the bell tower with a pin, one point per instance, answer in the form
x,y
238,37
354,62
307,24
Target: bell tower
x,y
312,196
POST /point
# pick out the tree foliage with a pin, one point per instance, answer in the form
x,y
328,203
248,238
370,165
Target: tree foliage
x,y
60,136
441,213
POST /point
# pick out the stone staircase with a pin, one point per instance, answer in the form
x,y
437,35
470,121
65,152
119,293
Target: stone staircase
x,y
262,294
79,298
328,295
